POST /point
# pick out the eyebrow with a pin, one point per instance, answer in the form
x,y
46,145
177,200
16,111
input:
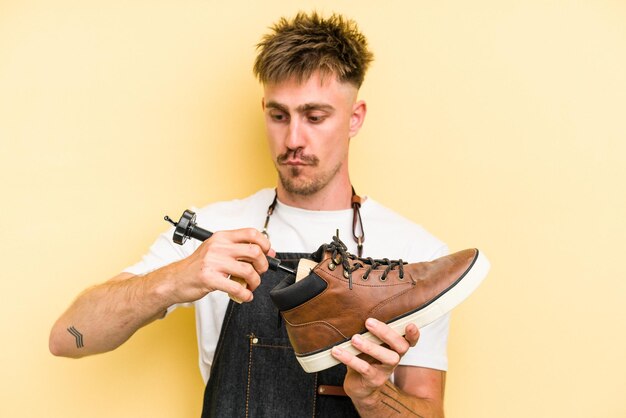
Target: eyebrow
x,y
302,108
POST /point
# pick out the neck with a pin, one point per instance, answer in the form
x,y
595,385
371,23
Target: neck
x,y
336,197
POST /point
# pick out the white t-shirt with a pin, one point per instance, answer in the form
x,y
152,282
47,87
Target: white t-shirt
x,y
387,235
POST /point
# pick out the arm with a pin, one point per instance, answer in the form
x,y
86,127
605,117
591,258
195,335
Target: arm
x,y
418,391
105,316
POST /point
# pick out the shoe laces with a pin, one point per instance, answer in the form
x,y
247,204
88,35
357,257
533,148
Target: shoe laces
x,y
340,255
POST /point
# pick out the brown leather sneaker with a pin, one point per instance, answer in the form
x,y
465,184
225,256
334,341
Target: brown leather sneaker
x,y
328,306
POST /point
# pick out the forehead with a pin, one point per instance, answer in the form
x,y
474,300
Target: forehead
x,y
318,89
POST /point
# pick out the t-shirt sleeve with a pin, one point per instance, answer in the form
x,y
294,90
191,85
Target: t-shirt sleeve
x,y
163,251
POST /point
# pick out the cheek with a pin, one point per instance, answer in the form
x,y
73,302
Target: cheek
x,y
332,137
273,137
330,151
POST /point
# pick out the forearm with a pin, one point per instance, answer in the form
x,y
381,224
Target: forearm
x,y
390,401
105,316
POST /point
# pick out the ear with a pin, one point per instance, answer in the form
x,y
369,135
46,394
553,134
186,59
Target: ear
x,y
358,117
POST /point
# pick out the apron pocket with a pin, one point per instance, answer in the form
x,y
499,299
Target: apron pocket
x,y
277,385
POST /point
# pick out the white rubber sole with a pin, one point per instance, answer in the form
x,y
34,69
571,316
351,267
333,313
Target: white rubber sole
x,y
446,302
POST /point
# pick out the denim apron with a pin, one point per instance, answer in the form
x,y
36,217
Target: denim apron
x,y
255,372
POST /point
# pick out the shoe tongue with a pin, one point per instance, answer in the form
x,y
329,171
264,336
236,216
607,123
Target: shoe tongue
x,y
305,266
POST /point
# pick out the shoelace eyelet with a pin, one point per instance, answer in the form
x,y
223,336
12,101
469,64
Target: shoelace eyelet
x,y
340,255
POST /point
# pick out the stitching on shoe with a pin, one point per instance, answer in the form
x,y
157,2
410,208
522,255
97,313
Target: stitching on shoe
x,y
312,323
318,323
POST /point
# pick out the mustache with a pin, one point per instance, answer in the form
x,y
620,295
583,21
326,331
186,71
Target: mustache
x,y
299,155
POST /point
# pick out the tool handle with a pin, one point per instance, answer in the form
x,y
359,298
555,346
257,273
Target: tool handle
x,y
200,234
186,228
274,263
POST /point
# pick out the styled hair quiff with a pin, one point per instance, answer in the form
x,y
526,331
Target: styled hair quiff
x,y
308,43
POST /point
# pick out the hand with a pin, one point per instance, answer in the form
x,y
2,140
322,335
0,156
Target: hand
x,y
369,372
240,253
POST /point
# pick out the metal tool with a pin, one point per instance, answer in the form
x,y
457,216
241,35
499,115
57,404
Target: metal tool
x,y
186,228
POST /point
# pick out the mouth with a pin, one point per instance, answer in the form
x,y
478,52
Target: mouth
x,y
295,163
297,159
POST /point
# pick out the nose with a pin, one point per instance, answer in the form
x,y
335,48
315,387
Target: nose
x,y
295,137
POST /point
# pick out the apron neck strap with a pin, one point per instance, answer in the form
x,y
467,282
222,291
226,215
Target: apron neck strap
x,y
357,221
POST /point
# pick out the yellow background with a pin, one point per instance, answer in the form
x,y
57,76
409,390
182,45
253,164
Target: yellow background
x,y
497,124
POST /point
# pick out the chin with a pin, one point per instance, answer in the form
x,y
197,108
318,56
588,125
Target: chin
x,y
300,186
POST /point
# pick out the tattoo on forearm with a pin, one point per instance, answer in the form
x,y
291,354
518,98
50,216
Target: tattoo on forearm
x,y
77,335
389,406
390,386
393,403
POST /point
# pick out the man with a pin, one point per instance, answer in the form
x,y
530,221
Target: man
x,y
311,69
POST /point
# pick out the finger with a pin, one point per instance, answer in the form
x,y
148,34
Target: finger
x,y
216,273
227,250
384,355
349,359
253,254
216,266
395,341
244,271
245,236
372,375
235,289
235,244
412,334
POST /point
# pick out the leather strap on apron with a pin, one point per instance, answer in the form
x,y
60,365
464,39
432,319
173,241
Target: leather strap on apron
x,y
255,372
357,221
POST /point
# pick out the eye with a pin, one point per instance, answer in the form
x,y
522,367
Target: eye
x,y
277,116
316,118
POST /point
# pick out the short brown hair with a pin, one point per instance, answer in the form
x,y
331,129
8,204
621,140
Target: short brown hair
x,y
309,43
